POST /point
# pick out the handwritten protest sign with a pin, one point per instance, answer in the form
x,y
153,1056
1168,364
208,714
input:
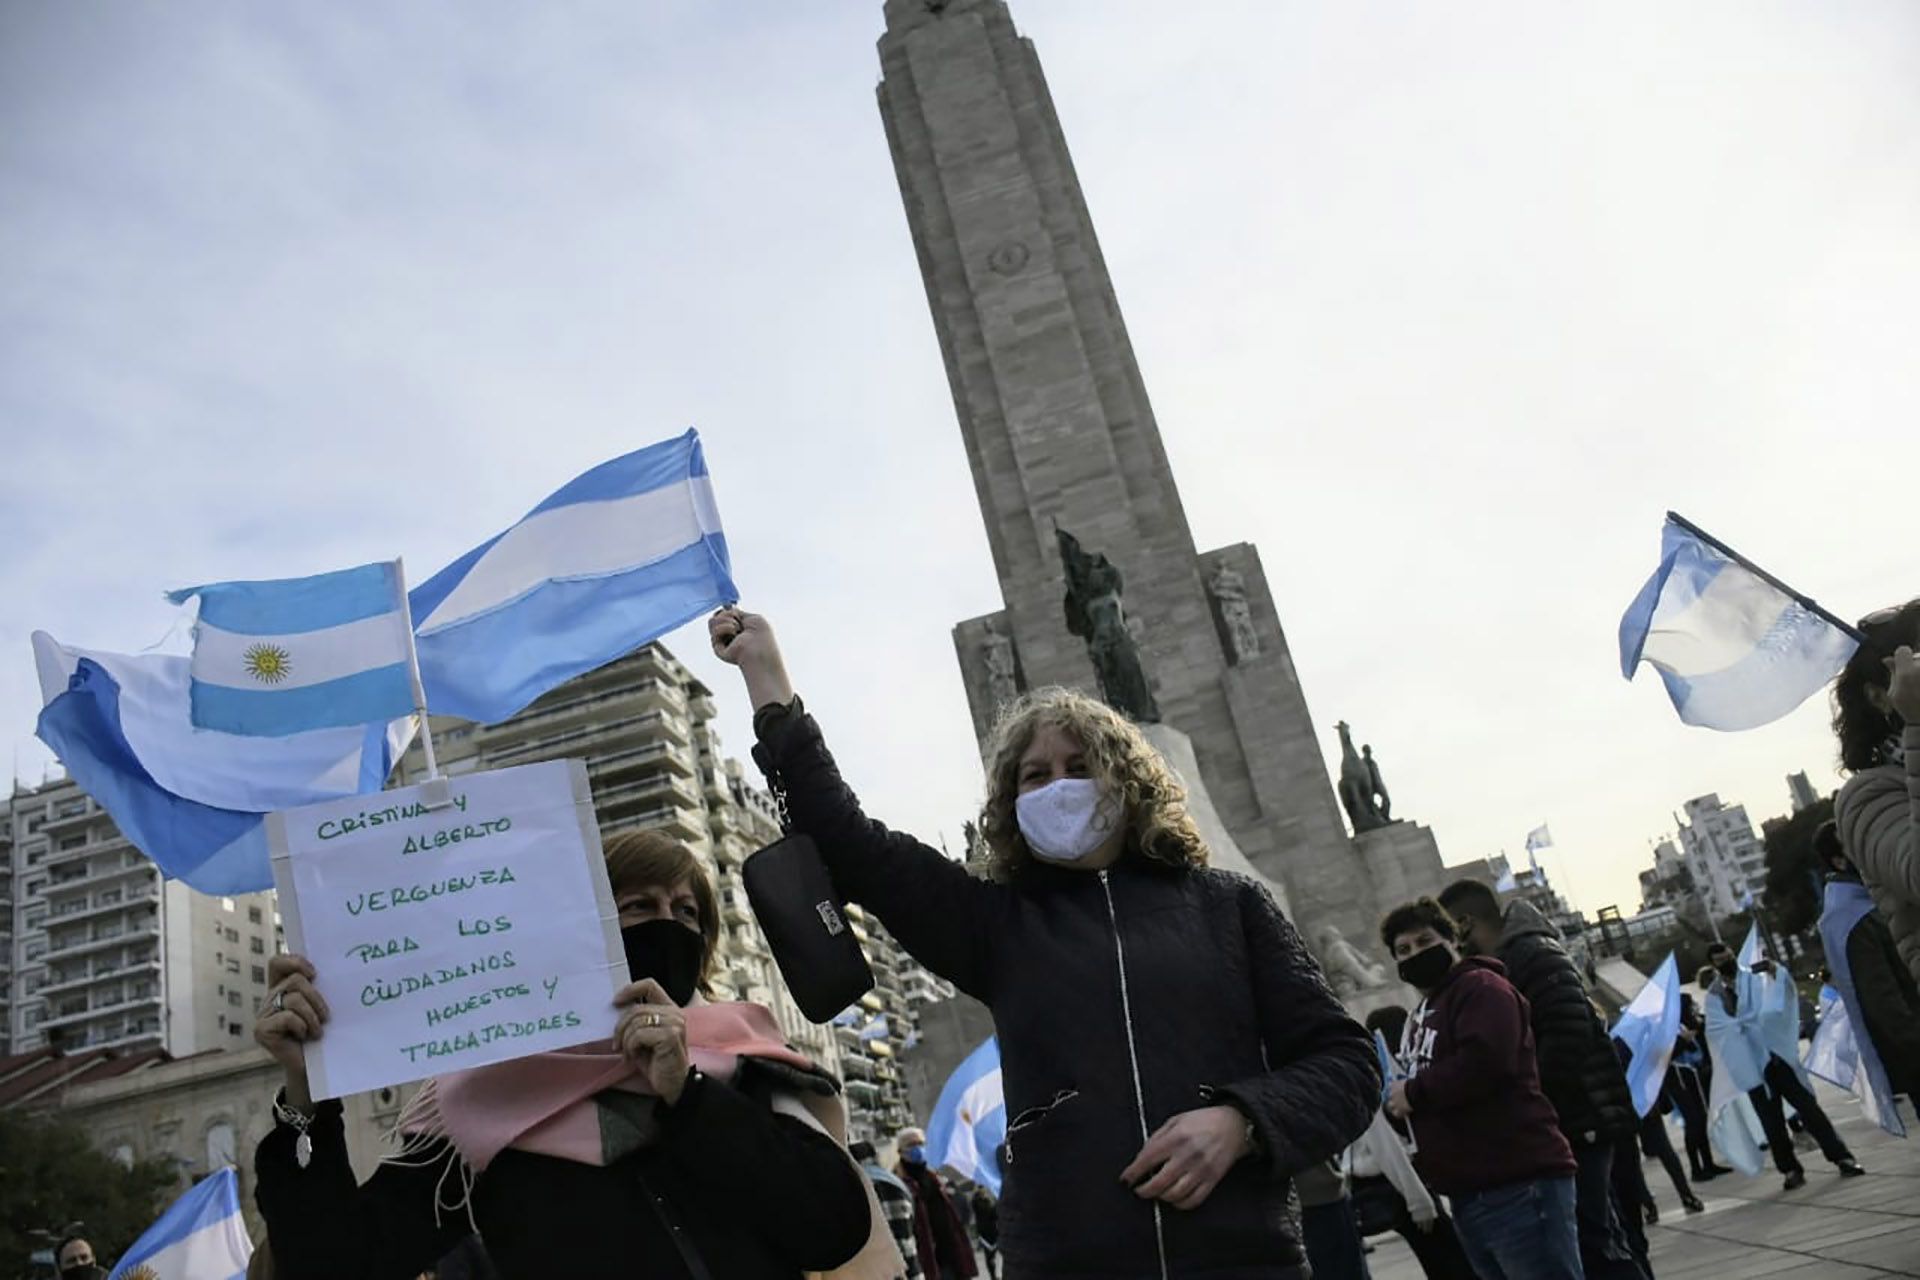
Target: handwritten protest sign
x,y
450,938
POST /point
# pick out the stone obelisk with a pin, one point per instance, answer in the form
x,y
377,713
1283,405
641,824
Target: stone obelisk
x,y
1060,436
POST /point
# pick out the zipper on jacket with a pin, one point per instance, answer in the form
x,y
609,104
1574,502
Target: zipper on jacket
x,y
1133,1062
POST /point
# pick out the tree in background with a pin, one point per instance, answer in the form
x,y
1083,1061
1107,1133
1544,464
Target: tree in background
x,y
1793,873
50,1175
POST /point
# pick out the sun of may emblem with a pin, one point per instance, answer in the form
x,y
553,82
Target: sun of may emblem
x,y
142,1272
268,663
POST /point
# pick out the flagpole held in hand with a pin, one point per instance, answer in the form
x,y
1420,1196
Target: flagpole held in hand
x,y
436,792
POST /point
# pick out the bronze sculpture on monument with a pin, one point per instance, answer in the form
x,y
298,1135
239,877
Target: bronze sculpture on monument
x,y
1096,613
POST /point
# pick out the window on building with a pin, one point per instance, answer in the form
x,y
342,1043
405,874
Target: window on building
x,y
36,917
35,950
219,957
234,1030
233,998
233,965
226,904
253,915
233,935
256,946
36,822
73,842
35,887
259,974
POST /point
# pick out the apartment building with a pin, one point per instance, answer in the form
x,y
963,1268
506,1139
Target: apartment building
x,y
101,952
1726,860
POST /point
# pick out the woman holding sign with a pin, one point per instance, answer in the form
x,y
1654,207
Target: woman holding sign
x,y
1172,1056
696,1144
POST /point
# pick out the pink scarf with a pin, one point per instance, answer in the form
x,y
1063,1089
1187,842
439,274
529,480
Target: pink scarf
x,y
545,1103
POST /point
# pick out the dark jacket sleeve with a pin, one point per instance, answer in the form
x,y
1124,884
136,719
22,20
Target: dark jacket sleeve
x,y
1322,1083
795,1187
1484,1025
1578,1070
1885,990
939,912
322,1225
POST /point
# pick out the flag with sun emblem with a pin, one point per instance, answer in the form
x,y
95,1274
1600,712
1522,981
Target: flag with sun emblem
x,y
292,655
201,1236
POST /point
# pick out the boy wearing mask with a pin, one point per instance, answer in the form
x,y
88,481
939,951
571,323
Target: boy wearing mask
x,y
1484,1133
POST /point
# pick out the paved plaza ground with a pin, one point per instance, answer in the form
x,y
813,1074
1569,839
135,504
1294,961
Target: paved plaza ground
x,y
1830,1229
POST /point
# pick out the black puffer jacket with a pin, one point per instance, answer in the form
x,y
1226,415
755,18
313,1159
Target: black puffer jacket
x,y
1121,999
1578,1070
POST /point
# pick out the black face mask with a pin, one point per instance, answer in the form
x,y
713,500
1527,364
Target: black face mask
x,y
666,951
83,1271
1423,970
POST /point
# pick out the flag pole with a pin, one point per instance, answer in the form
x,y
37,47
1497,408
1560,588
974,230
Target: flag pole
x,y
1804,601
437,793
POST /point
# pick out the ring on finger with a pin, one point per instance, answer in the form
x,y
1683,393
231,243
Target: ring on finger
x,y
279,1002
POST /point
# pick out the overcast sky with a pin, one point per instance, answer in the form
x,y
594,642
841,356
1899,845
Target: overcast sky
x,y
1440,306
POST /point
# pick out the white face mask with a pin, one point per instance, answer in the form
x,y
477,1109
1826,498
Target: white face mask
x,y
1066,820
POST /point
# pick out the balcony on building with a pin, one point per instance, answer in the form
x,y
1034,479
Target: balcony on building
x,y
70,813
99,939
108,1006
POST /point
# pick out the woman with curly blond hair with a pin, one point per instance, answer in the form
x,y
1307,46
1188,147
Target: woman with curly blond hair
x,y
1171,1055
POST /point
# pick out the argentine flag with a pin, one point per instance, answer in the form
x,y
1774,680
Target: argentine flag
x,y
1649,1026
293,655
969,1122
191,799
201,1236
1735,648
615,559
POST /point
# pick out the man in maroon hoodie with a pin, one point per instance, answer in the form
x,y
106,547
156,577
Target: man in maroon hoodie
x,y
1484,1134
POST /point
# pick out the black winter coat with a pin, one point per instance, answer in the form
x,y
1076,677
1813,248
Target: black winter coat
x,y
1579,1072
754,1195
1121,999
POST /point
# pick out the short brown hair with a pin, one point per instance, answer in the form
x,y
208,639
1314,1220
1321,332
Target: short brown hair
x,y
653,859
1421,913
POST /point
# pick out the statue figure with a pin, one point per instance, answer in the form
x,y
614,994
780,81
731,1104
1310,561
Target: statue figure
x,y
1348,971
1003,670
1095,614
1357,787
1381,799
1229,591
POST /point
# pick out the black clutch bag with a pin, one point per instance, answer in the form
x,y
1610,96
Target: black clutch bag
x,y
793,898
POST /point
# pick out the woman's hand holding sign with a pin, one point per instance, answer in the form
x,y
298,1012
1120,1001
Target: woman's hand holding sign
x,y
652,1033
293,1014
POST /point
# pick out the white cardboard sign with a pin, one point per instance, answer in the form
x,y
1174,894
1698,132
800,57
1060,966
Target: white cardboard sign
x,y
450,938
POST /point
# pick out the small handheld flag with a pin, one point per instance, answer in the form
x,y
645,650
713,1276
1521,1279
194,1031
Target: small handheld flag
x,y
1649,1026
969,1122
200,1234
1736,647
291,655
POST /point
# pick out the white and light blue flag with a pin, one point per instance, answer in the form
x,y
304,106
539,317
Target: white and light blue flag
x,y
191,799
615,559
201,1236
293,655
875,1030
1734,650
1649,1026
969,1122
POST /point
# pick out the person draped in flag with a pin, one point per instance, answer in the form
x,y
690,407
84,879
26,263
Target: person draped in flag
x,y
1881,998
695,1143
1753,1024
1876,716
1171,1054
